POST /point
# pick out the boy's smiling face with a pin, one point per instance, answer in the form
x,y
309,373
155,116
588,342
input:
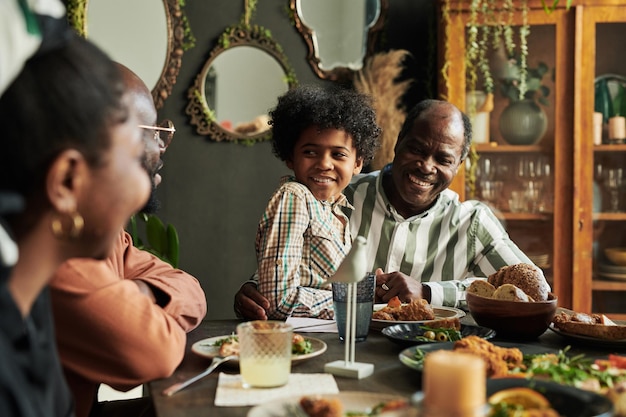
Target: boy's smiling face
x,y
325,162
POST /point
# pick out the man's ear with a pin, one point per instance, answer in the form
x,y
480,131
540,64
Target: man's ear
x,y
358,166
65,179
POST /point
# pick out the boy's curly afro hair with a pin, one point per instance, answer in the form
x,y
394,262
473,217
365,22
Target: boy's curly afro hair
x,y
327,107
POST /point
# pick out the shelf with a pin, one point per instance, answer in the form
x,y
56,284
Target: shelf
x,y
527,216
610,148
604,285
494,147
609,216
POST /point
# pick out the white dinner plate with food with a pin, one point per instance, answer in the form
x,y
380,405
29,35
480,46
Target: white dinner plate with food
x,y
409,358
210,347
440,313
353,403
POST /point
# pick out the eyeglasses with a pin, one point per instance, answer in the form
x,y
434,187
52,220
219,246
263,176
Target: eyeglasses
x,y
163,133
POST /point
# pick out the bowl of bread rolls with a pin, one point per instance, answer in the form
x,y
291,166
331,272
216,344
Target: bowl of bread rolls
x,y
515,301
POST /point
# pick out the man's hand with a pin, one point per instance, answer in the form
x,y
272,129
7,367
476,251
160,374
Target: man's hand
x,y
397,283
250,304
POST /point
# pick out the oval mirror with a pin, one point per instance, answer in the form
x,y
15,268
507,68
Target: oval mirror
x,y
339,34
238,85
157,30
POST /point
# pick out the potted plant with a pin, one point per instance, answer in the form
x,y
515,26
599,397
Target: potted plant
x,y
523,121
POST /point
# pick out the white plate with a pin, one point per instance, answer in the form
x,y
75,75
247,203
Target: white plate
x,y
352,401
440,313
206,347
613,276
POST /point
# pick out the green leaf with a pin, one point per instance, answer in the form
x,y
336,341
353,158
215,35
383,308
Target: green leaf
x,y
155,232
619,101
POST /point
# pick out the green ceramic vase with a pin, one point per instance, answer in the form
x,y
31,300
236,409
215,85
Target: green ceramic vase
x,y
523,122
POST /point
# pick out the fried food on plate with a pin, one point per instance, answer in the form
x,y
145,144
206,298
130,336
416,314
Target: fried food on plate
x,y
416,310
498,360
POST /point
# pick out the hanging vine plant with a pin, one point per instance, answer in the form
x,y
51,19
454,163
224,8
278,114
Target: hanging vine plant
x,y
489,27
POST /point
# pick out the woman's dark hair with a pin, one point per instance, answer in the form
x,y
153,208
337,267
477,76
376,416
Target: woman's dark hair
x,y
328,107
68,97
424,105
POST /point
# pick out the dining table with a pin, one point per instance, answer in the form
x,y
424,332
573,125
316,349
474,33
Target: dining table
x,y
390,374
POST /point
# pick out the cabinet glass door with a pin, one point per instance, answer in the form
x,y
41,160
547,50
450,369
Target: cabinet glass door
x,y
604,86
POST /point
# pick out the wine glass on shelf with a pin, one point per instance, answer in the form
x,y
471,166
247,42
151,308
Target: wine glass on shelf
x,y
490,191
613,181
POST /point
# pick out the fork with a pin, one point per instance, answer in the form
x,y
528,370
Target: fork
x,y
217,361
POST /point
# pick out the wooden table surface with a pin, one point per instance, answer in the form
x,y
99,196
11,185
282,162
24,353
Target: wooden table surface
x,y
390,375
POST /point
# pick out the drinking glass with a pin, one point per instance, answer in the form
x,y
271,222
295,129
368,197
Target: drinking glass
x,y
613,181
264,353
364,306
490,191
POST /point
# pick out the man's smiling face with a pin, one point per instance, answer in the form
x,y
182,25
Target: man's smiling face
x,y
426,159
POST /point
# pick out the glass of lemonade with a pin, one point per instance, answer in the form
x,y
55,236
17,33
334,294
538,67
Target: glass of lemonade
x,y
264,353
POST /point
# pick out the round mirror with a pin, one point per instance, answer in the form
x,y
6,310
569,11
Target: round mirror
x,y
339,34
239,84
157,31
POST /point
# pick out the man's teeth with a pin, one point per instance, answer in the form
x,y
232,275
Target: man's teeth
x,y
417,181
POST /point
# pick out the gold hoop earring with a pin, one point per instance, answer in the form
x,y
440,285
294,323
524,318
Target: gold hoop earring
x,y
76,227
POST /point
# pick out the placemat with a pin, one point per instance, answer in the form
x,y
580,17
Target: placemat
x,y
231,393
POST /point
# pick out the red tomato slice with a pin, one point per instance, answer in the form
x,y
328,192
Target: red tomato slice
x,y
617,361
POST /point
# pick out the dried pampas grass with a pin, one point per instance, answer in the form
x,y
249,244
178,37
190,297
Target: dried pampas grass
x,y
377,78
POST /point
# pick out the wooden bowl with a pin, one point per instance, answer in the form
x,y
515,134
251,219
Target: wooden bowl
x,y
616,255
512,319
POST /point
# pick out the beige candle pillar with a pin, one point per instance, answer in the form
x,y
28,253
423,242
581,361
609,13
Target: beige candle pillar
x,y
597,128
453,384
617,127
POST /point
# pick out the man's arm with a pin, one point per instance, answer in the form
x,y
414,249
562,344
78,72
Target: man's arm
x,y
109,331
177,292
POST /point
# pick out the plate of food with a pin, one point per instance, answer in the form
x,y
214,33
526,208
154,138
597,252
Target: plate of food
x,y
502,357
411,334
349,403
563,399
589,329
303,348
416,312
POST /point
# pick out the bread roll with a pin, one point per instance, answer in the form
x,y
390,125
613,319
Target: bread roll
x,y
511,293
527,277
482,288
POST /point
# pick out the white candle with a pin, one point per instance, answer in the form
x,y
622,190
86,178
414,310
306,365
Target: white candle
x,y
617,127
597,128
454,384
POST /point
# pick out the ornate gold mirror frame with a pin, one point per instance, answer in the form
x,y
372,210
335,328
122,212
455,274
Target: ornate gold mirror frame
x,y
337,73
178,34
204,117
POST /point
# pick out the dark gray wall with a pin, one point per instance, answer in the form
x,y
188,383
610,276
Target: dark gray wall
x,y
214,193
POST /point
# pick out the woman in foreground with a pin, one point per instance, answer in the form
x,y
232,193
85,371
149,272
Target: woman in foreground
x,y
71,175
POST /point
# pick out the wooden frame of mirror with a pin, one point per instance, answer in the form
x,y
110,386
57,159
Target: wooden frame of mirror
x,y
77,16
204,117
340,74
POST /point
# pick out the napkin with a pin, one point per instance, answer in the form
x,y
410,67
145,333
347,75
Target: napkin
x,y
231,393
309,325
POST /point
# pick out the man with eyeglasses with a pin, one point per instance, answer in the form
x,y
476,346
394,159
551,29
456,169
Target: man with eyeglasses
x,y
123,321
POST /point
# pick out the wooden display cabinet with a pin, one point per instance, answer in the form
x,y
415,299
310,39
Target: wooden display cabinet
x,y
578,44
541,228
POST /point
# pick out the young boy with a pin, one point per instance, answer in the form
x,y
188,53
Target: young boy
x,y
325,135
